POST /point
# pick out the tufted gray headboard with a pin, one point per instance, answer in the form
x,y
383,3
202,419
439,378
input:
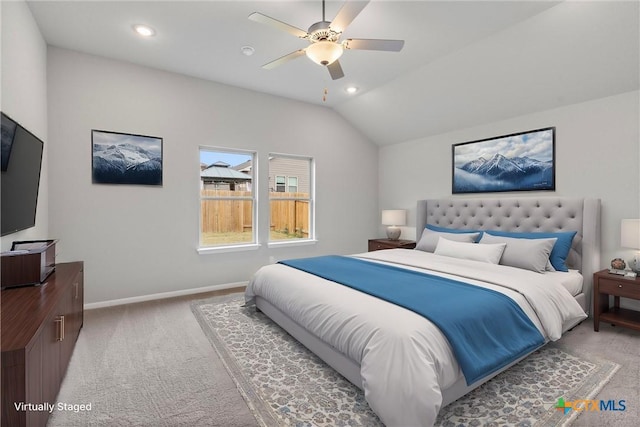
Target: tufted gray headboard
x,y
526,214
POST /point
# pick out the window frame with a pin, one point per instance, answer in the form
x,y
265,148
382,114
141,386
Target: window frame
x,y
254,198
311,239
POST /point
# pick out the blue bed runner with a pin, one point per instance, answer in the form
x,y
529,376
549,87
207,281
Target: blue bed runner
x,y
486,329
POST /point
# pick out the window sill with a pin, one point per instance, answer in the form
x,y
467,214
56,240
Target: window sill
x,y
233,248
289,243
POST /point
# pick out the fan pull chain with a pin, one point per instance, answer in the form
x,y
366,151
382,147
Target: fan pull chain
x,y
324,96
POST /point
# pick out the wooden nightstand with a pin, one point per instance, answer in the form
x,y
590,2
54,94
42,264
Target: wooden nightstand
x,y
378,244
605,284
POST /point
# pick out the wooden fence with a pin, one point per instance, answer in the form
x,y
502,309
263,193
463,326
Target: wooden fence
x,y
289,216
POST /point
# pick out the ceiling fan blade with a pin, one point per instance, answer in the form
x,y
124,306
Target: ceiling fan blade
x,y
335,70
347,14
264,19
374,44
283,59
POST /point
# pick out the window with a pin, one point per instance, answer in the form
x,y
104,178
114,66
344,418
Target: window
x,y
293,184
286,183
291,209
227,197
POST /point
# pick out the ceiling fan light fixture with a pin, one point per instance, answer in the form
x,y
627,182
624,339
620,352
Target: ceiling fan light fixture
x,y
324,52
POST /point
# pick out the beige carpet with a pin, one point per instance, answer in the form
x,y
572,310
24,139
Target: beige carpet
x,y
150,364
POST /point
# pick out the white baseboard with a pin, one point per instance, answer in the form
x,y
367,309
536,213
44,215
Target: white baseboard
x,y
163,295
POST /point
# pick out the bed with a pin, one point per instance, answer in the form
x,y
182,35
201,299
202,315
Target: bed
x,y
403,362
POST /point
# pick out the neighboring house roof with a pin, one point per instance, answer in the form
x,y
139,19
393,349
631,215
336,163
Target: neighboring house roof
x,y
221,164
223,173
244,166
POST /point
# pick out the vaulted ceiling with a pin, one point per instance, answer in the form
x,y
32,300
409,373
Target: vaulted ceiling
x,y
464,63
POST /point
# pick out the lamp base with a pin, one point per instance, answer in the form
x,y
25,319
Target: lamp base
x,y
393,233
634,264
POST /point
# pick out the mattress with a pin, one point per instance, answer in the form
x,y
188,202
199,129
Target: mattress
x,y
405,361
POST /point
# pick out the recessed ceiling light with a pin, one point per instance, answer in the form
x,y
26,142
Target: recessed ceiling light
x,y
247,50
351,89
144,30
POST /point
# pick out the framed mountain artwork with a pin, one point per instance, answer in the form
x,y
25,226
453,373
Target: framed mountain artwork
x,y
522,161
123,158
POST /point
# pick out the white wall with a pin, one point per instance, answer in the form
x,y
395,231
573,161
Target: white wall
x,y
24,96
597,155
142,240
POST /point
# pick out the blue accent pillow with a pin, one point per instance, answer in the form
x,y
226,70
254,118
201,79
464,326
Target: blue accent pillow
x,y
454,230
560,251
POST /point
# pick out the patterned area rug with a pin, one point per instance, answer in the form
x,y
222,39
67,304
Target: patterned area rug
x,y
284,384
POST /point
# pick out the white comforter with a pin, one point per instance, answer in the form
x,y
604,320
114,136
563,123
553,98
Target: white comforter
x,y
405,360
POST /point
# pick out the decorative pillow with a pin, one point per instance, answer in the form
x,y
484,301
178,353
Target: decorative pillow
x,y
486,253
560,250
529,254
429,239
453,230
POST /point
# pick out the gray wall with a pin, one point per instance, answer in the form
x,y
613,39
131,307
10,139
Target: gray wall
x,y
142,240
597,155
24,95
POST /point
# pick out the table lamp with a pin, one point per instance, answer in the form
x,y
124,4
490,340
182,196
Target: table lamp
x,y
393,218
630,238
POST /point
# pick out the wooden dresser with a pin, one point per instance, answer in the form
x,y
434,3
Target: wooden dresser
x,y
40,326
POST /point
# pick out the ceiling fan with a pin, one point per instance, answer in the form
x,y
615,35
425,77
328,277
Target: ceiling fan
x,y
323,36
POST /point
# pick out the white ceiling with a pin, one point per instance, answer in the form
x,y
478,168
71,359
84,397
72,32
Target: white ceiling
x,y
464,62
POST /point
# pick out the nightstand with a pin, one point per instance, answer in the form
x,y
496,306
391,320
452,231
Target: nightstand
x,y
605,284
378,244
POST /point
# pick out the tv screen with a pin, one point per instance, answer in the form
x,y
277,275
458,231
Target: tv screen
x,y
21,162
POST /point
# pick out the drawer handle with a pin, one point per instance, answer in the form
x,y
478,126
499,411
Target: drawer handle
x,y
60,332
619,285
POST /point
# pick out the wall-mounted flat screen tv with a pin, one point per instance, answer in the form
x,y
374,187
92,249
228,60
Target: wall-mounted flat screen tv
x,y
20,176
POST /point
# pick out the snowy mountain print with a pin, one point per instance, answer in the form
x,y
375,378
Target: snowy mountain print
x,y
126,159
510,163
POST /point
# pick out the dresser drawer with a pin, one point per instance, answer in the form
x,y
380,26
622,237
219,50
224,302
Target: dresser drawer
x,y
620,287
378,244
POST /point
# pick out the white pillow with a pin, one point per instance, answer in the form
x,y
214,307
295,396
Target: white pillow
x,y
528,254
485,253
429,239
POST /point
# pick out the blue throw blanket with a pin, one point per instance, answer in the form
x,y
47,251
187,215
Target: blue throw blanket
x,y
486,329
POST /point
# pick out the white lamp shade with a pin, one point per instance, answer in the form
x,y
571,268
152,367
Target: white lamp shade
x,y
630,233
324,52
394,217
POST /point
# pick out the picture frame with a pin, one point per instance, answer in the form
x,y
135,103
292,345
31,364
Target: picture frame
x,y
125,158
523,161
